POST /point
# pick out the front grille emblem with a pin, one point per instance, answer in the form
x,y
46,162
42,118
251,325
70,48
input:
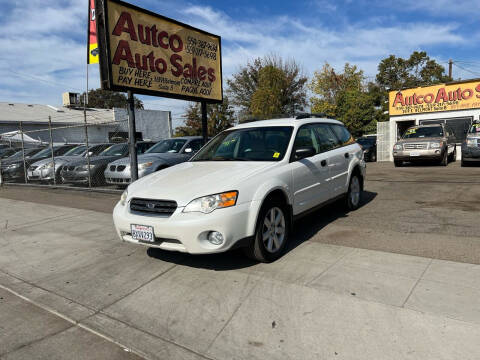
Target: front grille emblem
x,y
151,206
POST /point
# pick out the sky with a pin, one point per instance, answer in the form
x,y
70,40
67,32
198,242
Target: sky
x,y
43,42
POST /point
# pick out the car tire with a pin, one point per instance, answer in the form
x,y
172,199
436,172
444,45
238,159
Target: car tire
x,y
373,157
453,156
444,161
354,194
264,247
464,163
398,163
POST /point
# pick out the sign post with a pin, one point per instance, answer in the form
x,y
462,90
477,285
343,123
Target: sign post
x,y
132,141
204,122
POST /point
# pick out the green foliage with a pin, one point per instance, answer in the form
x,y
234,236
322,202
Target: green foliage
x,y
219,117
355,108
104,99
395,73
248,88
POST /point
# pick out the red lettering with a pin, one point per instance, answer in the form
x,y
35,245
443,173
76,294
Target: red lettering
x,y
467,91
430,98
399,99
163,35
211,75
163,64
141,66
176,60
179,46
123,52
202,71
151,61
420,99
477,89
452,96
441,95
144,35
188,71
154,35
125,19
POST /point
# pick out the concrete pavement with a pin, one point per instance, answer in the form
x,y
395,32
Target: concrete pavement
x,y
69,289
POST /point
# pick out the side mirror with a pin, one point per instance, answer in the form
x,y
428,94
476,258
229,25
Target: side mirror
x,y
188,151
304,152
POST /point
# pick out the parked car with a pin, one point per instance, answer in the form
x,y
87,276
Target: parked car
x,y
162,155
43,170
5,152
244,188
471,145
369,146
425,142
76,172
13,168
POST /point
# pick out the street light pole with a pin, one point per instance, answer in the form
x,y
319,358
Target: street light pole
x,y
132,141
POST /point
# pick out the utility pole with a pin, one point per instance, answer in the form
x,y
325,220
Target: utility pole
x,y
132,141
450,66
204,122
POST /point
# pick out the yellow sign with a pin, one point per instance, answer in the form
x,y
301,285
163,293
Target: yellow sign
x,y
443,97
153,55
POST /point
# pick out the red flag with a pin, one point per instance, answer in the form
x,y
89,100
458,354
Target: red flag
x,y
92,46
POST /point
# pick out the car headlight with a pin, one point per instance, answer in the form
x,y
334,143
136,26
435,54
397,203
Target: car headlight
x,y
87,167
209,203
472,142
436,145
397,147
48,166
123,198
144,165
13,166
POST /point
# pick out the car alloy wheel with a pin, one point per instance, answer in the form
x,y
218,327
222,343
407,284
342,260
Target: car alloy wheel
x,y
273,230
355,191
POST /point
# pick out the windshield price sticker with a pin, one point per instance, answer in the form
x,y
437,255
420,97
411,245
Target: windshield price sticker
x,y
411,131
276,155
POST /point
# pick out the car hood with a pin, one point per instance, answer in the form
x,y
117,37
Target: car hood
x,y
153,157
60,160
191,180
420,140
96,160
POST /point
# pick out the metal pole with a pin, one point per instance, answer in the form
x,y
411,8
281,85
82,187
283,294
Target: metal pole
x,y
132,139
86,142
204,122
51,149
23,154
450,70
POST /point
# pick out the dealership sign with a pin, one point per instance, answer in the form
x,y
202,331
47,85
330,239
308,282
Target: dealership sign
x,y
444,97
150,54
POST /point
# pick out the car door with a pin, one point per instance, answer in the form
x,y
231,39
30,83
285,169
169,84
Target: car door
x,y
341,158
309,175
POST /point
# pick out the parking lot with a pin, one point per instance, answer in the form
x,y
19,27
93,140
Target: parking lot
x,y
397,279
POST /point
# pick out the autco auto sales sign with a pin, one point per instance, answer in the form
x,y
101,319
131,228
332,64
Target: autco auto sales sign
x,y
153,55
443,97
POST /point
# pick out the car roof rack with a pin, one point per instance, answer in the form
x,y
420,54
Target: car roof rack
x,y
312,115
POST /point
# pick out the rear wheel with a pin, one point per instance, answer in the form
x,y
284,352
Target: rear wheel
x,y
398,163
354,195
271,233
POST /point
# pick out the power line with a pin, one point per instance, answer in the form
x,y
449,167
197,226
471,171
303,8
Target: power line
x,y
467,70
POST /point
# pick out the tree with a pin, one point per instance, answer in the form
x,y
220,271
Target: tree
x,y
327,85
356,109
395,73
266,101
105,99
289,97
219,117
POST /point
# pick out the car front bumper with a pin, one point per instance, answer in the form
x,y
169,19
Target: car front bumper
x,y
122,177
187,232
415,155
40,175
470,153
75,177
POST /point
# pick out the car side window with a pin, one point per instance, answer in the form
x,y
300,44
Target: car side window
x,y
306,138
343,134
195,145
326,137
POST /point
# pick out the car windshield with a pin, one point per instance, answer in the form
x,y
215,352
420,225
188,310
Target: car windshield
x,y
170,145
95,150
366,141
424,132
115,150
475,129
249,144
44,153
19,154
76,151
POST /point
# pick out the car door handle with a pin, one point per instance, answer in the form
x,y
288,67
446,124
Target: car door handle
x,y
323,163
347,155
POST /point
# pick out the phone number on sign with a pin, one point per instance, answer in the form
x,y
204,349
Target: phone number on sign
x,y
201,48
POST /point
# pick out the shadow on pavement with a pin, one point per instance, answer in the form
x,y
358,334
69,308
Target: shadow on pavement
x,y
304,229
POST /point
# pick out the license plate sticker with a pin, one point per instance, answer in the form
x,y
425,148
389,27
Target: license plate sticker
x,y
415,153
142,233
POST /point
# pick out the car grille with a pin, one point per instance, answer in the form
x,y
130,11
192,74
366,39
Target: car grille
x,y
121,167
69,168
420,146
112,167
150,206
118,168
118,181
33,168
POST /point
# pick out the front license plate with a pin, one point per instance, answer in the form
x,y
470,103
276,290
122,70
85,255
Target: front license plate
x,y
415,153
142,233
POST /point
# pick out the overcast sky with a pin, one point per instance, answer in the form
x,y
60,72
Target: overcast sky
x,y
44,51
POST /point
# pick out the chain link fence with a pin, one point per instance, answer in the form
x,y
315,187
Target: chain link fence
x,y
74,154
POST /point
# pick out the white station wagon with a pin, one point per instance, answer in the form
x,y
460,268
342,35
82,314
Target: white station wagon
x,y
245,188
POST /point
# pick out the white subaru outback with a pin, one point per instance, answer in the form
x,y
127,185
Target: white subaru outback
x,y
245,188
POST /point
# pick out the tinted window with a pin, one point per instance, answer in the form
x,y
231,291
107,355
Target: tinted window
x,y
77,151
306,137
195,145
343,134
115,150
143,147
423,132
62,150
97,149
170,145
475,129
326,138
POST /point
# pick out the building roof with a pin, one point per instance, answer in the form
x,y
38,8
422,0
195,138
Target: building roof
x,y
35,113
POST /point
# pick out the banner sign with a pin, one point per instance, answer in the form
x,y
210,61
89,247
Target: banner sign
x,y
92,46
152,55
437,98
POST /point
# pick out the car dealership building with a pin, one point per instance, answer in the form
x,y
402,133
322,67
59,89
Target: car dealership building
x,y
455,104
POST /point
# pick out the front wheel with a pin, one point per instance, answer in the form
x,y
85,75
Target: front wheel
x,y
398,163
354,194
444,161
272,232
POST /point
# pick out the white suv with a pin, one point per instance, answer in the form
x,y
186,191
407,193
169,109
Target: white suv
x,y
244,188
